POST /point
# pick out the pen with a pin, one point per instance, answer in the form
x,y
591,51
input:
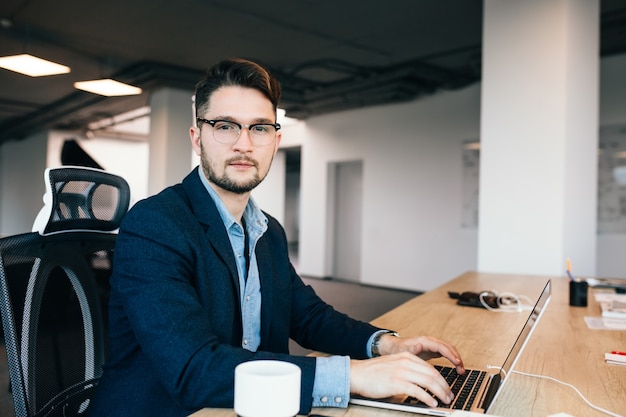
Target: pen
x,y
568,265
617,352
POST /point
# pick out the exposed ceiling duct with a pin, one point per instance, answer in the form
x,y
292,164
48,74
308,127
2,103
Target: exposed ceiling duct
x,y
329,56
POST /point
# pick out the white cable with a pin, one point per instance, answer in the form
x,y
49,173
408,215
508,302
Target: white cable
x,y
497,367
504,302
602,410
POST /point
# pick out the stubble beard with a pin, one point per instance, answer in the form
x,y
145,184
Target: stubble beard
x,y
224,181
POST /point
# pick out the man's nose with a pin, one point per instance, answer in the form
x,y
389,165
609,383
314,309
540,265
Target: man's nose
x,y
244,140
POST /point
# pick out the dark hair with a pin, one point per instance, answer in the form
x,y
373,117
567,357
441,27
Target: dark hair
x,y
236,72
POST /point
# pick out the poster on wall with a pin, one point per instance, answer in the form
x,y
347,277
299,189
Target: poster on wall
x,y
612,180
471,171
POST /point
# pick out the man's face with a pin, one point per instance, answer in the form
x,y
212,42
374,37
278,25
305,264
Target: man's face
x,y
240,166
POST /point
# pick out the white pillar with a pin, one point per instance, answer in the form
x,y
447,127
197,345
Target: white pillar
x,y
539,136
170,148
22,164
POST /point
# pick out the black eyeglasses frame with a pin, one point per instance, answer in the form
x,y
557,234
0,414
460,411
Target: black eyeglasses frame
x,y
241,126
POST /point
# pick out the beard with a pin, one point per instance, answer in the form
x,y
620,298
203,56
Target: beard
x,y
224,181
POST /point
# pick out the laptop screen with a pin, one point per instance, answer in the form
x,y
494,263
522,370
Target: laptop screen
x,y
524,335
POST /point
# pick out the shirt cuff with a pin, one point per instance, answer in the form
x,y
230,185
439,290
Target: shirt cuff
x,y
331,386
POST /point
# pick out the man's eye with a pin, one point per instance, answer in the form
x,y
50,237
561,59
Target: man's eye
x,y
225,126
260,129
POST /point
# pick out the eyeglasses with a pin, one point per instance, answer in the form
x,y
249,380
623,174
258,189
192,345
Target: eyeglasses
x,y
227,131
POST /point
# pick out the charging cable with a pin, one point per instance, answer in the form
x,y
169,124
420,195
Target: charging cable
x,y
507,302
595,407
549,378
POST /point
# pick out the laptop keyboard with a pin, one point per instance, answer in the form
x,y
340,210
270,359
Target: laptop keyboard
x,y
464,387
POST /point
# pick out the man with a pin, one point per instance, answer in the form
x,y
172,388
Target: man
x,y
202,282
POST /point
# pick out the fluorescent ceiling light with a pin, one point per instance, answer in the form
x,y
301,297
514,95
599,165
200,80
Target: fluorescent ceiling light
x,y
107,87
31,65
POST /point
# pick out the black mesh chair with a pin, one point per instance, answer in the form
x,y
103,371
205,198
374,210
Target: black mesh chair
x,y
54,285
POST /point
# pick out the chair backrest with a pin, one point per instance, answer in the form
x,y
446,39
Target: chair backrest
x,y
79,198
54,285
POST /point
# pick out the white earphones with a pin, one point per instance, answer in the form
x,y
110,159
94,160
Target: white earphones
x,y
507,302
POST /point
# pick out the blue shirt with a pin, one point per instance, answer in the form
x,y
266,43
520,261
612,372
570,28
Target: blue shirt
x,y
331,387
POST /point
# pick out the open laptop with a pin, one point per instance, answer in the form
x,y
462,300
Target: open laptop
x,y
476,389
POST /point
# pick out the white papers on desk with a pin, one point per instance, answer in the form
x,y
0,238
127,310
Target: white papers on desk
x,y
615,359
603,323
611,318
612,305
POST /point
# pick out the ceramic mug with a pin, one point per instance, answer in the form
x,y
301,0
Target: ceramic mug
x,y
267,388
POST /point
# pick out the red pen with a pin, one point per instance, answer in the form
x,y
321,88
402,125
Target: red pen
x,y
617,352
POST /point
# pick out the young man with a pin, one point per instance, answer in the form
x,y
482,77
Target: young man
x,y
202,282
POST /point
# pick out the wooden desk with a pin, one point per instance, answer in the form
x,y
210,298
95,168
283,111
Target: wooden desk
x,y
561,347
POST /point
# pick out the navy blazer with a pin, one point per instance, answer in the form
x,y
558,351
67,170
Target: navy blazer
x,y
175,319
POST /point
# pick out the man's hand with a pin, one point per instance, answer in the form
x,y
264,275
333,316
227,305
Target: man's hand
x,y
403,370
423,346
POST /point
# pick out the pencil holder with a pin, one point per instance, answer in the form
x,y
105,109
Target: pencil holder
x,y
578,292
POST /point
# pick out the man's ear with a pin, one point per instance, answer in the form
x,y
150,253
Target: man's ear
x,y
279,136
194,135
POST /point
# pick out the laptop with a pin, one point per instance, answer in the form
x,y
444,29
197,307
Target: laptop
x,y
476,389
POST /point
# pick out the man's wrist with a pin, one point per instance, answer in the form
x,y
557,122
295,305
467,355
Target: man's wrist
x,y
375,347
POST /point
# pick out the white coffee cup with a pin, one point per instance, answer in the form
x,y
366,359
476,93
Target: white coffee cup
x,y
267,388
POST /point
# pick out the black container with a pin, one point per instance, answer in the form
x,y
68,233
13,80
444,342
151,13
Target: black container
x,y
578,293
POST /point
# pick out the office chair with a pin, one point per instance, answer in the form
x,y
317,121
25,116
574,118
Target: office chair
x,y
54,291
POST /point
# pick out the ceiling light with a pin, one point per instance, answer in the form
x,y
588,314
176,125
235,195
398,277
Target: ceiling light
x,y
31,65
107,87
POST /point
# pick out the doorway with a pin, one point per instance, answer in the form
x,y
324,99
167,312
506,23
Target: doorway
x,y
345,203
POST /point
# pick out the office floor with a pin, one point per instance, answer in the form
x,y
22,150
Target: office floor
x,y
363,303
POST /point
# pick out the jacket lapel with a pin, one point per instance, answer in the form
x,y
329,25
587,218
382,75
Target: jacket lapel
x,y
205,211
266,274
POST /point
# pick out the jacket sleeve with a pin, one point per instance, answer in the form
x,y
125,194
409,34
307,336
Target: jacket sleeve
x,y
314,324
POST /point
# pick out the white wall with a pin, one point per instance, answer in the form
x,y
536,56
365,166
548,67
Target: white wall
x,y
412,182
22,165
412,153
126,158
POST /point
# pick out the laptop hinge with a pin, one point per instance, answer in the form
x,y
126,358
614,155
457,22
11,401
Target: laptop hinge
x,y
491,390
